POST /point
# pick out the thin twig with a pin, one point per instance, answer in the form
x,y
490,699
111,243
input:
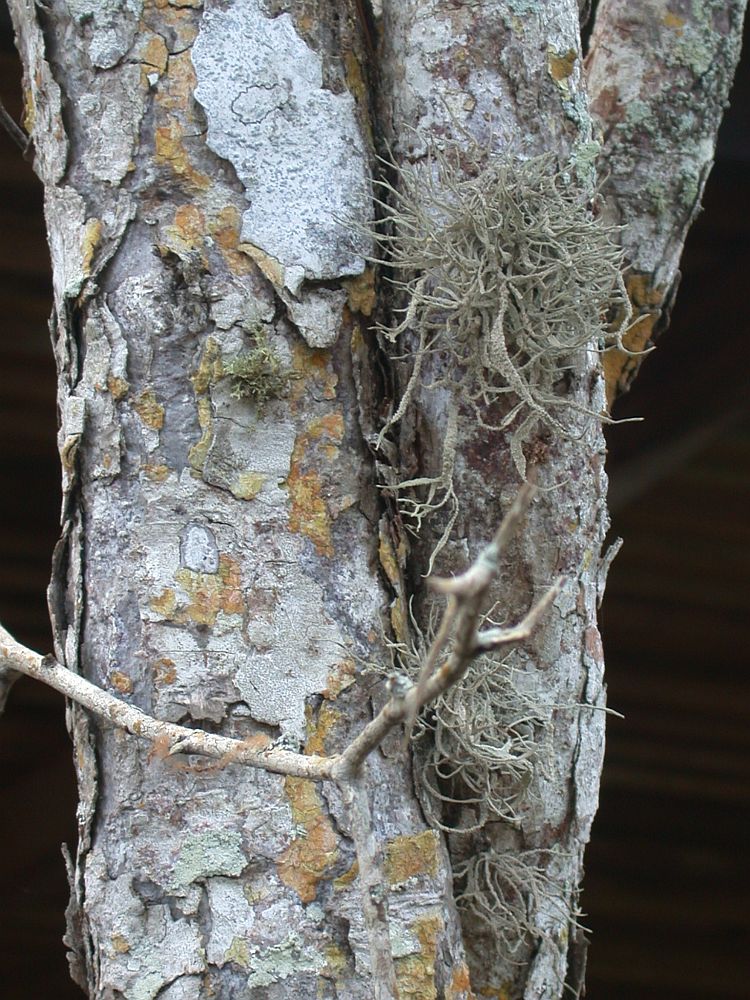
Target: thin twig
x,y
16,133
176,739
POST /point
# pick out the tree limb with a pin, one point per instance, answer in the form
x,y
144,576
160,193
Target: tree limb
x,y
466,595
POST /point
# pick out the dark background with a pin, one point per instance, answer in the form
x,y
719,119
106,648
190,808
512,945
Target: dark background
x,y
666,890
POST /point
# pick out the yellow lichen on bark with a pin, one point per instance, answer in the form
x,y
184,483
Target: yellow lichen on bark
x,y
416,973
411,855
309,857
340,677
92,234
309,514
200,597
225,229
210,593
314,370
460,984
187,233
149,410
170,151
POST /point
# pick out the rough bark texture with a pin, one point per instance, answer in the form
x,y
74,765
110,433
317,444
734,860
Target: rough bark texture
x,y
490,71
226,562
659,75
219,560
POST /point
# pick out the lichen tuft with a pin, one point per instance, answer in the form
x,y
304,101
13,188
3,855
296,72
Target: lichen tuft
x,y
258,374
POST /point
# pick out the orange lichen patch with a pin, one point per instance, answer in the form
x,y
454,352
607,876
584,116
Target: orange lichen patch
x,y
270,266
460,984
411,855
164,671
347,879
313,367
121,682
330,426
168,18
118,387
187,233
560,66
153,52
361,292
340,678
92,234
165,604
319,729
156,473
170,151
308,515
204,594
225,229
307,859
150,412
415,974
210,593
671,20
619,368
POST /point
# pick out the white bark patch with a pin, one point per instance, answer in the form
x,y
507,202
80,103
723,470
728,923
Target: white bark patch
x,y
65,212
198,549
147,948
296,147
212,852
114,25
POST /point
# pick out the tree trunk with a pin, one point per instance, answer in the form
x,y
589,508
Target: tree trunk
x,y
239,551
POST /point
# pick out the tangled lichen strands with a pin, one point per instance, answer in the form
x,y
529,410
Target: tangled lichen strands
x,y
503,890
508,275
480,744
480,747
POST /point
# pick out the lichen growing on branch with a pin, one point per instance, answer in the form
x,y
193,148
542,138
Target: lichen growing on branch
x,y
478,746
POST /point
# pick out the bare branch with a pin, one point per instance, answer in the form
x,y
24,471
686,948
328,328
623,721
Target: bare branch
x,y
16,133
178,739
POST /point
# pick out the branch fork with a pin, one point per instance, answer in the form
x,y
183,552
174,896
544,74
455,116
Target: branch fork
x,y
457,642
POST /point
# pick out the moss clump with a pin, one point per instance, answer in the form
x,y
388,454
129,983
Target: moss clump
x,y
258,374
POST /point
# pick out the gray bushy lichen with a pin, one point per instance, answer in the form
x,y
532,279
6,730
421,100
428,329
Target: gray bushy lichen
x,y
506,276
258,374
479,745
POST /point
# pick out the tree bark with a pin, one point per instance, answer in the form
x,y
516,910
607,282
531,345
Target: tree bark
x,y
229,558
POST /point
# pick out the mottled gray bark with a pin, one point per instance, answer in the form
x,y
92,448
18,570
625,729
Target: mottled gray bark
x,y
231,563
